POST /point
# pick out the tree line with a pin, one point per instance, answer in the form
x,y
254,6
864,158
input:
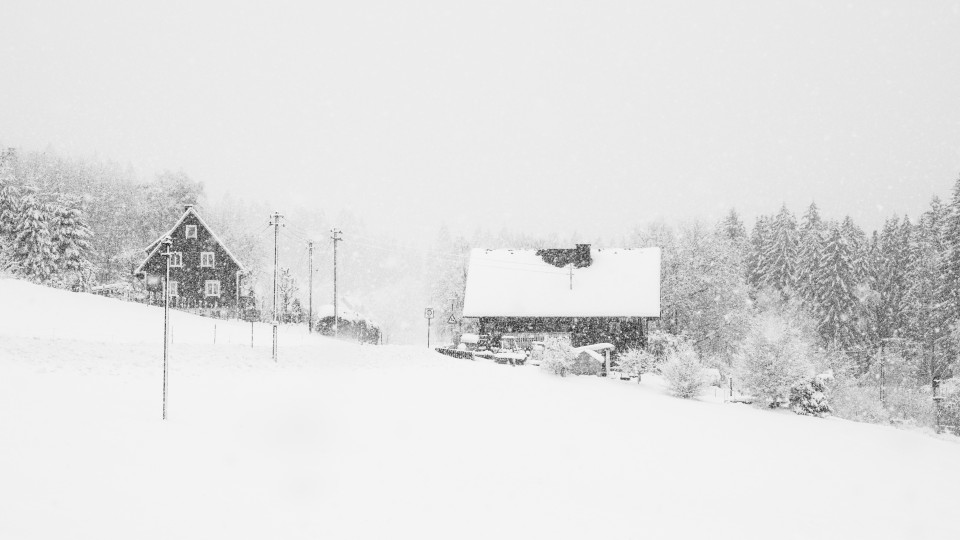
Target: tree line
x,y
74,223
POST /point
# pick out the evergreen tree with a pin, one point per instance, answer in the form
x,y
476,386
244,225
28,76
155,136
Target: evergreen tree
x,y
33,246
890,260
838,305
859,247
71,240
732,227
296,312
781,253
9,208
950,261
809,255
9,205
287,292
758,266
927,312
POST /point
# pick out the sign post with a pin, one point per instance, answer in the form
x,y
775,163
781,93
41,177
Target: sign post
x,y
428,314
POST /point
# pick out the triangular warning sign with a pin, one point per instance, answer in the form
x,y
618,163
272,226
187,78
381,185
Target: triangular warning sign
x,y
452,320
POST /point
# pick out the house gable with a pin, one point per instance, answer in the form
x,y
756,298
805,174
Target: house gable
x,y
178,234
208,275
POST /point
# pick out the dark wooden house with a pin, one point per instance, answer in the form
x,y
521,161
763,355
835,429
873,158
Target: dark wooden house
x,y
204,274
585,295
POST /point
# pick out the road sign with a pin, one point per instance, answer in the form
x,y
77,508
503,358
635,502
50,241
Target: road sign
x,y
428,313
452,319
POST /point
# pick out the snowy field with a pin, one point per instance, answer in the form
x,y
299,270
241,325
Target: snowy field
x,y
339,440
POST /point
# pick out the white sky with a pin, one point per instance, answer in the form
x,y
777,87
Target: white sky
x,y
544,116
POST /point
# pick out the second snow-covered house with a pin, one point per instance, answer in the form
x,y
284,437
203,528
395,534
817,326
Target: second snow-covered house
x,y
584,294
203,272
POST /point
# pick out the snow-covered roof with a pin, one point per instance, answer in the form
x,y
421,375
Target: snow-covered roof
x,y
519,283
344,313
190,210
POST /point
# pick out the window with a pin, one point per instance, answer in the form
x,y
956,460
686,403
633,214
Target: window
x,y
176,259
174,288
206,259
191,231
211,287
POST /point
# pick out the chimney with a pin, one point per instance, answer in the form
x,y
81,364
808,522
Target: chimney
x,y
582,256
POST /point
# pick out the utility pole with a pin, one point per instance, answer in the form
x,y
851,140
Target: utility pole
x,y
310,308
166,322
275,222
336,313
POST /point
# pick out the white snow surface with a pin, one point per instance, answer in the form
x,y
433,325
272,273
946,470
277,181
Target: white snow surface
x,y
518,283
339,440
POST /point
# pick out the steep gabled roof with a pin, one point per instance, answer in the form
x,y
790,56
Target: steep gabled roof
x,y
520,283
155,246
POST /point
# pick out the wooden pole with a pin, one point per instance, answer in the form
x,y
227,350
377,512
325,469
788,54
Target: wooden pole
x,y
275,221
336,312
310,308
166,325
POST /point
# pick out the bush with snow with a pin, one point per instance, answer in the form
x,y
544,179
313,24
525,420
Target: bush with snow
x,y
858,403
558,356
683,371
635,362
950,406
810,398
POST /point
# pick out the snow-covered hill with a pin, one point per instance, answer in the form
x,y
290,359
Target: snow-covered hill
x,y
338,440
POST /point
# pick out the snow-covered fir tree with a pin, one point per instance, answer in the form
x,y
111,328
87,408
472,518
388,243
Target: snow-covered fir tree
x,y
809,255
9,204
71,242
838,307
890,260
927,314
781,253
859,244
950,261
758,266
732,227
287,291
33,249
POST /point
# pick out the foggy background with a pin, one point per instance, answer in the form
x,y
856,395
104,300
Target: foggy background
x,y
567,117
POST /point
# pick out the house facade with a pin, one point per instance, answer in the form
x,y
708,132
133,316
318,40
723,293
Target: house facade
x,y
586,295
204,274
